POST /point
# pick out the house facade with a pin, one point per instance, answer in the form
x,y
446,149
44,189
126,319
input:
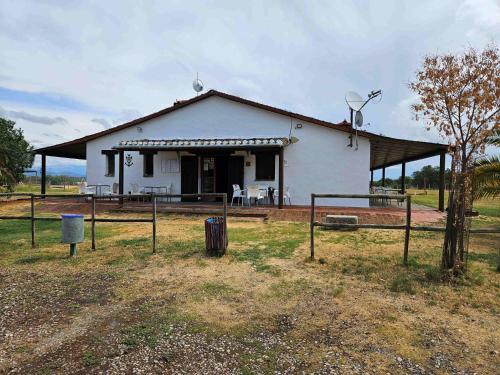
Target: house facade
x,y
210,142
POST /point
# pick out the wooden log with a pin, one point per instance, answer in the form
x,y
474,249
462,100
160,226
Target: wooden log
x,y
312,224
407,230
153,197
33,243
92,220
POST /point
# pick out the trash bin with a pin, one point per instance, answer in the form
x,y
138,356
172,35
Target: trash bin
x,y
72,231
215,236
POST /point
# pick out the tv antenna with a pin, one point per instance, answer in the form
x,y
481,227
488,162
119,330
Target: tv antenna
x,y
356,103
197,85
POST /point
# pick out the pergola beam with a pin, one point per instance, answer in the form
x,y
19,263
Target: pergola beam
x,y
403,177
43,177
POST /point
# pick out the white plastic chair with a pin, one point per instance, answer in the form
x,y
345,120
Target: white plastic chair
x,y
238,194
286,195
255,193
105,190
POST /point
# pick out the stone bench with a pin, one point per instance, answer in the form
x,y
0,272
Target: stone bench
x,y
341,219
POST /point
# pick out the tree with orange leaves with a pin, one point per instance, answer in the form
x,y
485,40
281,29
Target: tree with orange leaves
x,y
459,95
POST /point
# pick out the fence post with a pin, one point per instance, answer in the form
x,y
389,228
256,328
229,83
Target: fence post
x,y
312,226
407,229
93,221
224,205
153,198
33,243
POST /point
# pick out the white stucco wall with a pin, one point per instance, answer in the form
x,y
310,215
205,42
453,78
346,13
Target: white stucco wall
x,y
320,162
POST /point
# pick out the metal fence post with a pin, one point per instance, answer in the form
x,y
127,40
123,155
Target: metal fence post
x,y
93,221
153,198
33,243
407,229
312,226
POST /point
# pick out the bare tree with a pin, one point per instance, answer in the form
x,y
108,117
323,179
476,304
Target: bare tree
x,y
460,97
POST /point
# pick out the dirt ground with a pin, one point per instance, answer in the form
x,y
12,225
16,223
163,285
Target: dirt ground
x,y
262,308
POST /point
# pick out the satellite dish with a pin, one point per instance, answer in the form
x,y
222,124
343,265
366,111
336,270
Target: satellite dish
x,y
358,119
198,85
354,101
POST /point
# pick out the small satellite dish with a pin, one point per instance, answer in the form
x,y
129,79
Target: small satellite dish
x,y
354,101
198,85
358,119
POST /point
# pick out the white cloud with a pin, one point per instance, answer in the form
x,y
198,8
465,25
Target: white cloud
x,y
301,56
22,115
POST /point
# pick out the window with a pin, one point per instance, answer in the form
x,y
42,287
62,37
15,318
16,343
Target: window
x,y
148,165
110,162
265,166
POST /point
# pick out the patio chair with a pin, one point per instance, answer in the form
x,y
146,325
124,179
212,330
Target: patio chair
x,y
84,189
116,188
238,194
286,195
106,190
255,193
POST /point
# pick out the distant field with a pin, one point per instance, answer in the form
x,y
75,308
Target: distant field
x,y
59,189
488,207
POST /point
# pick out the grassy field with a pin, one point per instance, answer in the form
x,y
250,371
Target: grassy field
x,y
262,308
35,189
488,207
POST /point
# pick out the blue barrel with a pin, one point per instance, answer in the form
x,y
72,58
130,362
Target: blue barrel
x,y
72,228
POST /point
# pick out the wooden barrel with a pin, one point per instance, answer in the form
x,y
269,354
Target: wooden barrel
x,y
215,236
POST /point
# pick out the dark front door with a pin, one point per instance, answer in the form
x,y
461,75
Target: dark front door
x,y
189,177
234,173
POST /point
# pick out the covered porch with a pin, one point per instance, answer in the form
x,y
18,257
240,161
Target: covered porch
x,y
212,165
387,152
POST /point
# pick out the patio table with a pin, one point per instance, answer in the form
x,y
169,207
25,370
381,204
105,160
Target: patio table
x,y
98,188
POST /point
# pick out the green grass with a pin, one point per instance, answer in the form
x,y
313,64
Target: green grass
x,y
17,233
35,189
214,290
258,245
487,206
90,359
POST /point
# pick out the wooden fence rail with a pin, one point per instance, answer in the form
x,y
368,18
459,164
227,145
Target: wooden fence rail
x,y
93,219
407,227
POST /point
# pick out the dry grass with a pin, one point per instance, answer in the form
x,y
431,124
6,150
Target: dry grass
x,y
355,308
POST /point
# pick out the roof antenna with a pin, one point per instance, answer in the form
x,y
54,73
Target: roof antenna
x,y
356,104
197,85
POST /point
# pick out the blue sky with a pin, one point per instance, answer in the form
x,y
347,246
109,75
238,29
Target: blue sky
x,y
70,68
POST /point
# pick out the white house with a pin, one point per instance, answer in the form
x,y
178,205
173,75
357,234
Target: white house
x,y
212,141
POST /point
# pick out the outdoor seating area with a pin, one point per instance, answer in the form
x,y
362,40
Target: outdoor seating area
x,y
105,190
385,201
258,195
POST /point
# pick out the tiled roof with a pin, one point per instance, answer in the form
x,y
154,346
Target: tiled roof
x,y
205,143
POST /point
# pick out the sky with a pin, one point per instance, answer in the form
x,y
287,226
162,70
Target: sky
x,y
70,68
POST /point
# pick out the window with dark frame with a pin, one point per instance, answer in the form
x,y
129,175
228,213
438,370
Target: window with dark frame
x,y
265,166
110,162
148,164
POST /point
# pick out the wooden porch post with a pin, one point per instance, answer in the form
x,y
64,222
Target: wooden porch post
x,y
121,161
280,182
383,177
442,159
403,177
43,174
371,177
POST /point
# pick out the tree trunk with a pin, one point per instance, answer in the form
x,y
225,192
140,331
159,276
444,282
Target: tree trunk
x,y
459,203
